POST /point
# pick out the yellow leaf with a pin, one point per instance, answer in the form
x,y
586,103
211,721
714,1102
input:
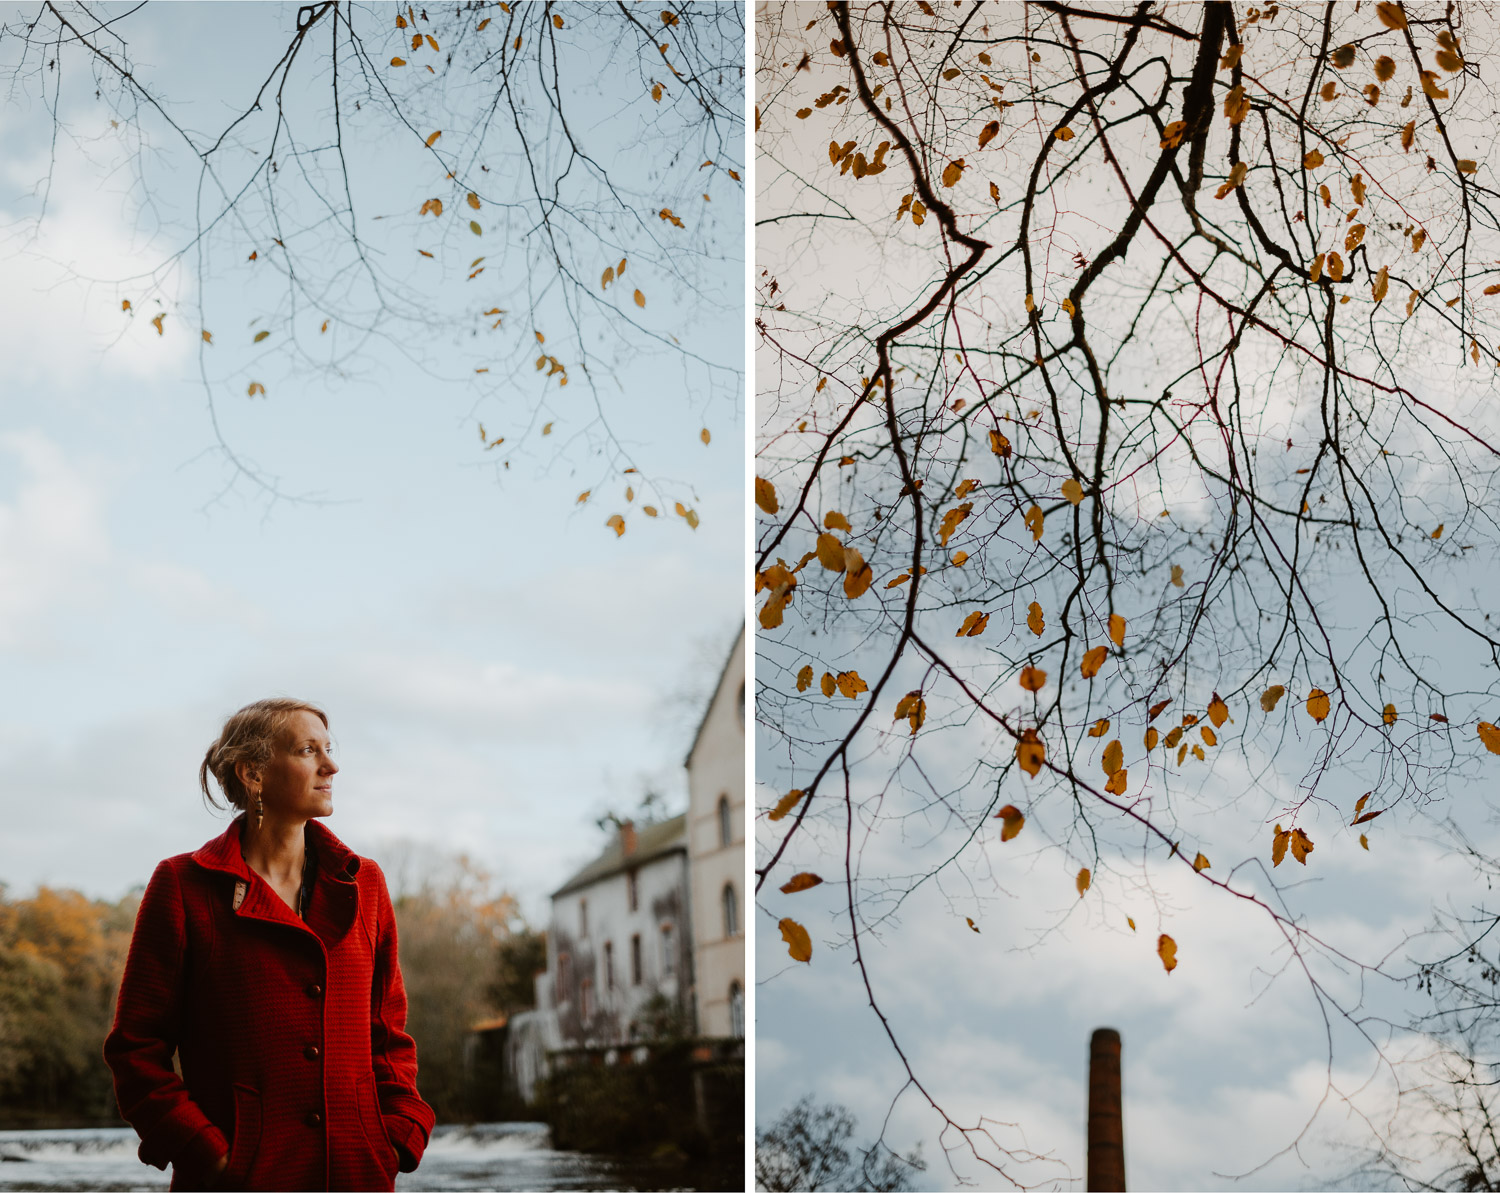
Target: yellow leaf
x,y
1318,704
1114,757
850,684
1152,737
208,337
1200,862
640,299
398,61
260,335
1093,660
798,946
1490,736
785,804
484,24
974,625
1270,697
125,305
704,435
1390,14
1072,490
473,200
656,92
432,42
475,228
828,684
858,575
765,495
160,318
800,882
256,388
692,519
557,21
432,140
1208,735
1177,575
830,552
1011,821
1301,845
1381,284
1363,841
617,523
1312,160
1034,620
1034,522
1031,753
1064,133
1082,881
1218,711
1172,135
805,678
988,133
1166,949
1129,920
999,444
1033,679
1100,728
547,430
951,519
953,171
1067,305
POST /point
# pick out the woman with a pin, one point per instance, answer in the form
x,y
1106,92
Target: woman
x,y
267,961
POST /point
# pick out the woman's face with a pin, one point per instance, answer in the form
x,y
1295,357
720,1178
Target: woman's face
x,y
298,781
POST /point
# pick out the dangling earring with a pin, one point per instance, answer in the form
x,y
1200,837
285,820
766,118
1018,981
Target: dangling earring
x,y
260,811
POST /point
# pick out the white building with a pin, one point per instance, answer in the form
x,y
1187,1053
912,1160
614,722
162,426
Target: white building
x,y
716,853
619,937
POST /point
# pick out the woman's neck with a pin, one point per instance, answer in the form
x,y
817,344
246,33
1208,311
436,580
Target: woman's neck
x,y
276,850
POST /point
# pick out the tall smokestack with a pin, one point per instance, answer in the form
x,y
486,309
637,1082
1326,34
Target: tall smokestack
x,y
1106,1172
627,837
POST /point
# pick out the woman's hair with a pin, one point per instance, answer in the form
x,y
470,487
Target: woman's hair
x,y
249,736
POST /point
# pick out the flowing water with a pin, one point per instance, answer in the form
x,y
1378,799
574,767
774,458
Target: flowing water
x,y
500,1156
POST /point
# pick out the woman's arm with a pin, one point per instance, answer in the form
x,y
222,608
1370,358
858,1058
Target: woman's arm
x,y
148,1016
408,1119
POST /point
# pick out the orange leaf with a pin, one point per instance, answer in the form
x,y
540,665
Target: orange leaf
x,y
1033,679
1100,728
1034,522
640,299
1116,784
1166,949
1082,881
1318,704
1034,620
1031,753
1117,629
1271,697
1093,660
765,495
1200,862
1011,821
432,140
785,804
800,882
1490,736
974,625
798,945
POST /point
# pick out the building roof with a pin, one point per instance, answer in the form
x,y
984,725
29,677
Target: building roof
x,y
719,687
651,842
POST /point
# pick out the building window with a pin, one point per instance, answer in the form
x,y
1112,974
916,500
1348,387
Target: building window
x,y
609,965
740,703
632,892
583,917
736,1010
586,999
635,959
668,952
564,972
726,830
731,911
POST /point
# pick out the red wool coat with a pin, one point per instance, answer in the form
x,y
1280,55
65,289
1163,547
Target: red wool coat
x,y
289,1032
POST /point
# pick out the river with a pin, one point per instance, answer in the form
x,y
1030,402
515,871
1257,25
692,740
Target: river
x,y
500,1156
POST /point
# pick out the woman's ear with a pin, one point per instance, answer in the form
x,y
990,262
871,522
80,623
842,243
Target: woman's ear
x,y
248,774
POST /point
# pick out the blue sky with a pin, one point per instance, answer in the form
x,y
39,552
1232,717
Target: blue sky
x,y
499,667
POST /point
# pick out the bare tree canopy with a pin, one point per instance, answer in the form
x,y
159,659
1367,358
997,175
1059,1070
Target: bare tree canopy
x,y
1127,463
527,201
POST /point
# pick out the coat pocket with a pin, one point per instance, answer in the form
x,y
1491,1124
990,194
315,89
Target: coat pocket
x,y
246,1141
374,1127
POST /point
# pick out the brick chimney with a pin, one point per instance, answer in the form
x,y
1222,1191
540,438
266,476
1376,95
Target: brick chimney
x,y
1106,1135
627,837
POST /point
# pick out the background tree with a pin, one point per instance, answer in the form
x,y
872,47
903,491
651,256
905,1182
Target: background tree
x,y
807,1147
516,198
1125,389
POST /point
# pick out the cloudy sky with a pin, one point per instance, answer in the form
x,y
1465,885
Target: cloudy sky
x,y
498,666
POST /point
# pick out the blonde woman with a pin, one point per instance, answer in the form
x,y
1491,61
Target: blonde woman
x,y
266,960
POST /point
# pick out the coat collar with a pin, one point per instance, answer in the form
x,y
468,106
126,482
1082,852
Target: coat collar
x,y
332,910
334,858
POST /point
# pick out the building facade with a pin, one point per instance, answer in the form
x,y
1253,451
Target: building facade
x,y
716,853
619,948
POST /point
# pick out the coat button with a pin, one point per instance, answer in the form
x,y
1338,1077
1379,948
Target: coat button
x,y
314,990
311,1052
313,1119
